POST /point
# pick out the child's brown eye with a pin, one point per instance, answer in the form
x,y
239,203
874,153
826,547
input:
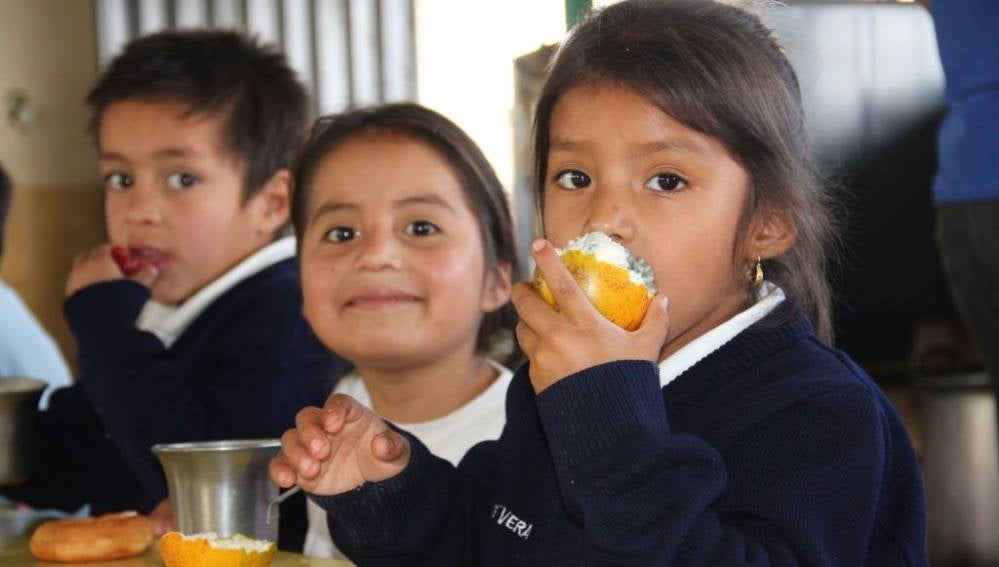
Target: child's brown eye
x,y
181,181
572,179
666,182
341,234
421,228
118,181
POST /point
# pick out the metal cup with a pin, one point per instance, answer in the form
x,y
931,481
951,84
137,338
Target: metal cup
x,y
18,406
221,486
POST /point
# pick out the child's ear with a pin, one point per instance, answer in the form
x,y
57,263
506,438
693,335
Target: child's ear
x,y
498,285
274,202
771,234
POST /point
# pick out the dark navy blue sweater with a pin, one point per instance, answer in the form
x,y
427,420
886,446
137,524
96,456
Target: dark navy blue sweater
x,y
241,370
774,450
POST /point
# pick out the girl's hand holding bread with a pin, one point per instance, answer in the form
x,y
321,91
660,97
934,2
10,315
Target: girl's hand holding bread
x,y
577,336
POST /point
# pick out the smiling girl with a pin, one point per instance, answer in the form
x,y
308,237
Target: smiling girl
x,y
407,254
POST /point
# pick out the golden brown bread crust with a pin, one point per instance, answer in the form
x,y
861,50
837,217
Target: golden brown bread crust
x,y
107,537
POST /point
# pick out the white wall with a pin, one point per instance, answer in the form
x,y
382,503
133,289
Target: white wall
x,y
464,63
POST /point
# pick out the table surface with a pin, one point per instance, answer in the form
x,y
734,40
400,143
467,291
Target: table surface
x,y
16,528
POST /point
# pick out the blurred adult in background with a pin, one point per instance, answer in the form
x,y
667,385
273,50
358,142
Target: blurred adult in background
x,y
966,190
26,350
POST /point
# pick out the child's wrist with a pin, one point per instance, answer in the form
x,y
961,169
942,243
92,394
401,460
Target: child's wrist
x,y
601,407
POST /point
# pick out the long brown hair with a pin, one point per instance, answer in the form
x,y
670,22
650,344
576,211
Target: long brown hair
x,y
719,70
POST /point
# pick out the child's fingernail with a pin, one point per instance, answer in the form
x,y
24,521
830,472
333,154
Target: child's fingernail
x,y
317,445
307,464
538,245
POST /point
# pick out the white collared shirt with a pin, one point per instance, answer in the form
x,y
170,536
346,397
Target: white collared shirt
x,y
767,299
448,437
168,322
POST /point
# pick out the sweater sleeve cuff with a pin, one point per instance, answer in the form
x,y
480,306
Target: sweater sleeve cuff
x,y
106,306
594,410
374,515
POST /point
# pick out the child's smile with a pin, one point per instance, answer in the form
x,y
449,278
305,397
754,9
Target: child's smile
x,y
381,299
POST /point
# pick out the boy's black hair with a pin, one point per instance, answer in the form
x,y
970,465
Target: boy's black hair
x,y
226,73
482,188
6,188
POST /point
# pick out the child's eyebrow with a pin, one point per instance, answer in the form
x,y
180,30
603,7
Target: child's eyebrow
x,y
177,152
641,149
428,199
567,145
330,207
111,156
669,145
171,152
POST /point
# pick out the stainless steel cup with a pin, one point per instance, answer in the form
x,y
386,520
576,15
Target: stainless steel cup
x,y
221,486
18,406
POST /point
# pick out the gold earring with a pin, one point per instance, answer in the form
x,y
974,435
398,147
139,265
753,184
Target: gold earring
x,y
756,273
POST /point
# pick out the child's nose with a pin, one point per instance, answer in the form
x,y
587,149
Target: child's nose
x,y
142,207
610,213
378,252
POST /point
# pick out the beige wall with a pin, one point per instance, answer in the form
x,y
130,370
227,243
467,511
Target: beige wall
x,y
48,50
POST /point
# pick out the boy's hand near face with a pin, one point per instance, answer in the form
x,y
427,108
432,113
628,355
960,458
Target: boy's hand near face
x,y
105,263
338,448
577,337
162,517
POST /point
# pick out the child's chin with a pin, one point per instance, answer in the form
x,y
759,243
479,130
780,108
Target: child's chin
x,y
166,294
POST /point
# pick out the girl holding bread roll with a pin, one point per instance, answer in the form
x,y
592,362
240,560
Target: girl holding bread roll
x,y
723,428
407,255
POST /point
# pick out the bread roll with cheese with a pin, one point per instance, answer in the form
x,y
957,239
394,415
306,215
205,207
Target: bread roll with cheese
x,y
210,550
619,285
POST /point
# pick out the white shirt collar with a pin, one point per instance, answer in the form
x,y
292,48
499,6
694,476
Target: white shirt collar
x,y
768,298
168,322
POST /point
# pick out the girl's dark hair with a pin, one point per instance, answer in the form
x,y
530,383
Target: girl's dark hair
x,y
719,70
262,106
485,195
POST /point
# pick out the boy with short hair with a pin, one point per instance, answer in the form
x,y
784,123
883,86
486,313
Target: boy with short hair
x,y
189,320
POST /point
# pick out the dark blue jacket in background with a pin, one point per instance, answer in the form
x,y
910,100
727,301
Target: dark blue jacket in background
x,y
241,370
773,450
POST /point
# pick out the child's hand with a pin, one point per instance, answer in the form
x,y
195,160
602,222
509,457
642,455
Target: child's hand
x,y
561,343
99,265
162,517
338,448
